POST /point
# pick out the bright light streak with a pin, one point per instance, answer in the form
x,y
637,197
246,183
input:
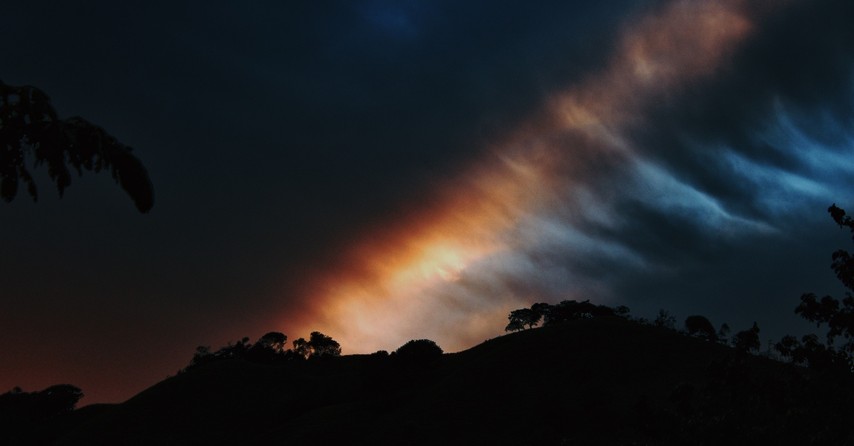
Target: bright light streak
x,y
420,275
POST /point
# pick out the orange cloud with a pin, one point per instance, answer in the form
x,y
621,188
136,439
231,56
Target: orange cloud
x,y
408,281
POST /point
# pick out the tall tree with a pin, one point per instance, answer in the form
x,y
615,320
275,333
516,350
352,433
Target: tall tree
x,y
837,315
322,345
30,129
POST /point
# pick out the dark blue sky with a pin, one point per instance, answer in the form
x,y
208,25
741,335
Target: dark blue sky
x,y
278,137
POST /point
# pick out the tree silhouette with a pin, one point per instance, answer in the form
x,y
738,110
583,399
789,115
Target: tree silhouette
x,y
622,311
810,351
665,320
747,340
419,350
202,356
49,402
301,348
568,310
322,345
317,345
514,325
273,340
31,128
723,332
697,325
521,318
838,316
269,349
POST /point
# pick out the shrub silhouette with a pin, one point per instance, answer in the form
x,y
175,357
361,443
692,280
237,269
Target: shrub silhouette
x,y
26,418
723,332
665,320
34,406
747,340
699,326
419,350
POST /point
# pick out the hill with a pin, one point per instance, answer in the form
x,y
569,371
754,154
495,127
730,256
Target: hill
x,y
593,381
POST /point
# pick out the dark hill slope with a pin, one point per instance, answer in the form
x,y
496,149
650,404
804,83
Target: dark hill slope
x,y
606,381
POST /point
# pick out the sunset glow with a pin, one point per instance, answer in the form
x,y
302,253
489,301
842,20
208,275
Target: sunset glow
x,y
392,170
401,290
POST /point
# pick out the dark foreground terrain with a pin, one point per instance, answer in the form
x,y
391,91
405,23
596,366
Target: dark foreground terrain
x,y
597,381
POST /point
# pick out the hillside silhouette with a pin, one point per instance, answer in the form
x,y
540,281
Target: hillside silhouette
x,y
603,380
590,375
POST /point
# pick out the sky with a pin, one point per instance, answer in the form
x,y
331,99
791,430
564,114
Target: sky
x,y
382,171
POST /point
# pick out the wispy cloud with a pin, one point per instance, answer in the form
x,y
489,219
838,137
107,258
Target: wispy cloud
x,y
504,233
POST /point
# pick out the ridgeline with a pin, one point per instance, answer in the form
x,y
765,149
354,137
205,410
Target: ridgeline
x,y
605,380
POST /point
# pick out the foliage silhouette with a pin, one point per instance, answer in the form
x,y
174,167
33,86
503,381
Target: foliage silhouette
x,y
302,348
569,310
828,311
49,402
700,326
665,320
269,349
322,345
809,351
419,350
273,340
747,340
318,345
25,416
723,333
836,315
31,128
523,317
642,385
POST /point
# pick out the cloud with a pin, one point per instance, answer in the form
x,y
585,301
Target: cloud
x,y
514,208
387,170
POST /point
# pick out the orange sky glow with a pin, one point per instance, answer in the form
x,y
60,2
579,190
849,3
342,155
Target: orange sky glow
x,y
416,280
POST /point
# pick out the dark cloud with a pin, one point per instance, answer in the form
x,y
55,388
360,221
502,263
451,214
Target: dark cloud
x,y
760,149
798,62
276,135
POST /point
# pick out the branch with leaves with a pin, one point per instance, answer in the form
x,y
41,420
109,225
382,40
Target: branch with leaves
x,y
31,129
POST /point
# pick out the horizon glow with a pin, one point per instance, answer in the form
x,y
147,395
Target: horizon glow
x,y
441,277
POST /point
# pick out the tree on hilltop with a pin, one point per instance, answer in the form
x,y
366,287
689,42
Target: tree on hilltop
x,y
273,340
747,340
318,345
700,326
665,320
322,345
521,318
419,350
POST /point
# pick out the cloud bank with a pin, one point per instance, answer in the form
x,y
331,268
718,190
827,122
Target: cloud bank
x,y
695,139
